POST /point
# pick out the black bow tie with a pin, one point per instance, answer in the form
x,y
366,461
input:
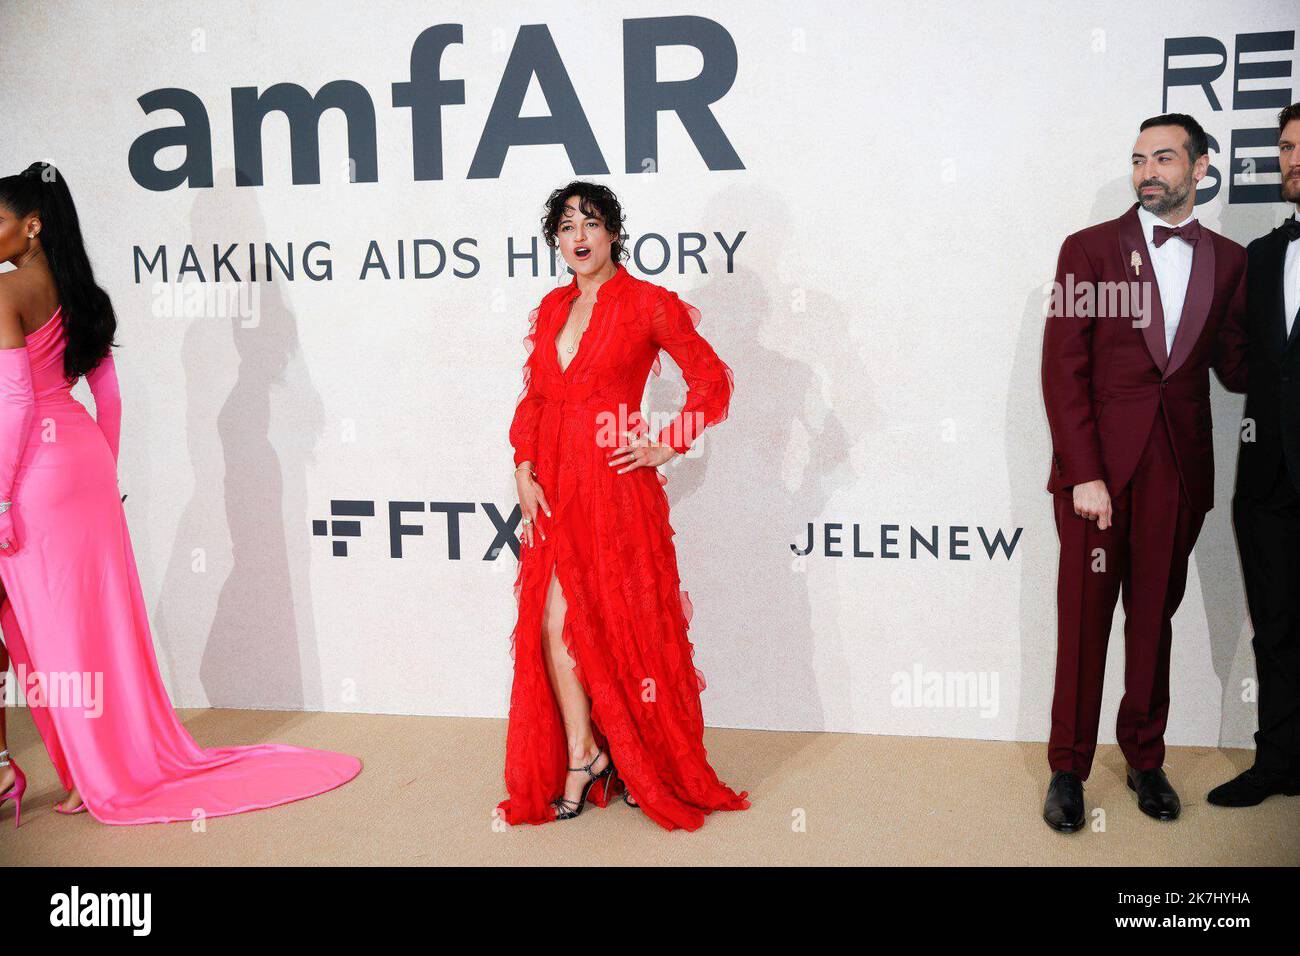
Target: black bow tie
x,y
1190,233
1291,229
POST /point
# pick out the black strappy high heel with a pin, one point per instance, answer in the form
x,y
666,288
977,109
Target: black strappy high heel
x,y
568,809
627,794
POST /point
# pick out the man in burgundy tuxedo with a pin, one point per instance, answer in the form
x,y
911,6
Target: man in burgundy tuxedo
x,y
1144,306
1266,507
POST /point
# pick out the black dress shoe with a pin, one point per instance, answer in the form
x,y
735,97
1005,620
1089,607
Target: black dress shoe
x,y
1156,796
1251,788
1063,808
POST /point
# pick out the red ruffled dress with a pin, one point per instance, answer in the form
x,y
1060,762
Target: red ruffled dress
x,y
609,541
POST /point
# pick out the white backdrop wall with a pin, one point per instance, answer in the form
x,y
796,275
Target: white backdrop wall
x,y
906,174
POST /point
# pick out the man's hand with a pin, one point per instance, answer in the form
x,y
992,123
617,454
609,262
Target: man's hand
x,y
1092,501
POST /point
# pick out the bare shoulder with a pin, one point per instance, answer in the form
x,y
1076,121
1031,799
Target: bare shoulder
x,y
11,320
9,283
17,289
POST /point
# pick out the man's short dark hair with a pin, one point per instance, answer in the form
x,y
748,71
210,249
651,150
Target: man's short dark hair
x,y
1198,144
1292,112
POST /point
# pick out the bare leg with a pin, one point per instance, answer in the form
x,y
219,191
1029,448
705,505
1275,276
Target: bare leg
x,y
575,706
73,800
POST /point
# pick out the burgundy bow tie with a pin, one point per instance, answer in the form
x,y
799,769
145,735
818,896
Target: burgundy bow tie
x,y
1190,232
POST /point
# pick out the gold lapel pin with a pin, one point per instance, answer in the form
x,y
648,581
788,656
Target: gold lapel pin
x,y
1135,261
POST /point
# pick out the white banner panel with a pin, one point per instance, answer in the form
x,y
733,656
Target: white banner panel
x,y
321,323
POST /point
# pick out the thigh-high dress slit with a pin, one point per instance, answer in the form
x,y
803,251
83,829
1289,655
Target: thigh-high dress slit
x,y
610,544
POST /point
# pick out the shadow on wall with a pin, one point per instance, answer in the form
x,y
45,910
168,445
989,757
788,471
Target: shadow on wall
x,y
247,516
1217,560
772,465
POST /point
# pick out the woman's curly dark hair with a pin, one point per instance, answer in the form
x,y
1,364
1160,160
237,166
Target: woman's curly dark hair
x,y
593,200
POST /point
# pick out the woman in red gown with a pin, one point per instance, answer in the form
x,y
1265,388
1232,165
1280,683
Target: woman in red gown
x,y
605,695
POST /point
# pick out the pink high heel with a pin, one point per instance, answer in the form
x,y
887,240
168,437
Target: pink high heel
x,y
15,792
81,808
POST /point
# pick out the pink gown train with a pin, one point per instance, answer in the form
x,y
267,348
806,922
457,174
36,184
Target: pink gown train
x,y
74,609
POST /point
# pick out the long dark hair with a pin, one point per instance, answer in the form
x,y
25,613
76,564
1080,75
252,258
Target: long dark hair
x,y
88,316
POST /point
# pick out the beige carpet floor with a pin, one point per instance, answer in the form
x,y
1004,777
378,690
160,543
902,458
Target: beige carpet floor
x,y
430,784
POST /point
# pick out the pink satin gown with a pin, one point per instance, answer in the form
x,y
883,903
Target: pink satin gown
x,y
74,609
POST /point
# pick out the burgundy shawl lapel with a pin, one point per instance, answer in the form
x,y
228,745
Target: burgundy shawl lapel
x,y
1196,306
1143,272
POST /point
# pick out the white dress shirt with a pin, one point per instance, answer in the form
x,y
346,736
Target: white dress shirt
x,y
1173,265
1291,281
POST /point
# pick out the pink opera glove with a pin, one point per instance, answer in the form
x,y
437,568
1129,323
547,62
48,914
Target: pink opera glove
x,y
108,401
17,412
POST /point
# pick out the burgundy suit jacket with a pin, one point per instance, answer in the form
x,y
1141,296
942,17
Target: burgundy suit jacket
x,y
1106,377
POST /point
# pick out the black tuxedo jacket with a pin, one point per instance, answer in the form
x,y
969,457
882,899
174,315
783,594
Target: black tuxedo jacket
x,y
1273,388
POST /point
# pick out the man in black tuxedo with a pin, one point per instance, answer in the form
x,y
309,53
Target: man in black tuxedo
x,y
1266,508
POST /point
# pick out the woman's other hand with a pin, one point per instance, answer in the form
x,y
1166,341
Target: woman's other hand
x,y
532,503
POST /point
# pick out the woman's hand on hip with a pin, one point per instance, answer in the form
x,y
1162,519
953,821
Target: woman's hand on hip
x,y
639,452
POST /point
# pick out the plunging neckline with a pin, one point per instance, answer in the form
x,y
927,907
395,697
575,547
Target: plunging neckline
x,y
577,348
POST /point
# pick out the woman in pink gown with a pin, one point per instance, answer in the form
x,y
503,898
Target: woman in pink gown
x,y
72,611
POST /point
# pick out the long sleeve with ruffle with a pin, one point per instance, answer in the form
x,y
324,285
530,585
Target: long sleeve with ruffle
x,y
108,401
709,381
17,412
523,428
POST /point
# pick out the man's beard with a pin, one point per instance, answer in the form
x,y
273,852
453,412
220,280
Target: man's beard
x,y
1291,189
1171,198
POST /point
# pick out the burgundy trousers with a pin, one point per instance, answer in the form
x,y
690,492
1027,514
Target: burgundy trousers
x,y
1143,556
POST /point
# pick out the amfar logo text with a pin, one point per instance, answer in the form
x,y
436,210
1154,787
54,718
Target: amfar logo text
x,y
534,54
1261,66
